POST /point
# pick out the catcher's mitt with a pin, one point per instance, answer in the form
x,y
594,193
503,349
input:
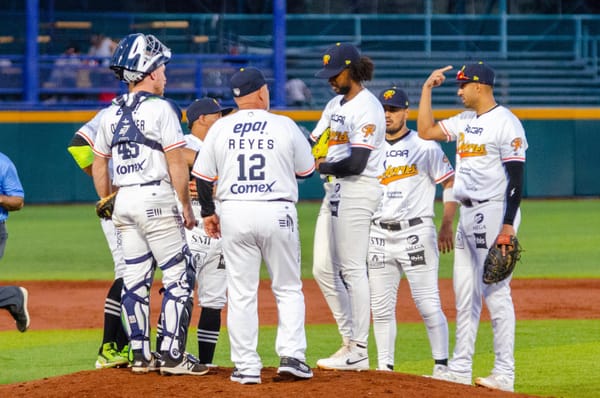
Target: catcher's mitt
x,y
501,259
106,205
319,150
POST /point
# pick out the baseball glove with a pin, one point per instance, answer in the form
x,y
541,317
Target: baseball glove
x,y
501,259
319,150
106,205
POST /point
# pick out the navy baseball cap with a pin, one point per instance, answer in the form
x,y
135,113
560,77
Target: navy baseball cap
x,y
337,58
394,96
478,73
246,81
204,106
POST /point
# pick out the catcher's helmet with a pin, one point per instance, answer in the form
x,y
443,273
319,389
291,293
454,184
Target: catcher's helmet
x,y
137,55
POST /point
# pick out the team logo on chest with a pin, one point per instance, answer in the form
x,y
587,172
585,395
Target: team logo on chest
x,y
465,149
393,173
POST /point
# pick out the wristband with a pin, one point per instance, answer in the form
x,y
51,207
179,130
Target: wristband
x,y
448,195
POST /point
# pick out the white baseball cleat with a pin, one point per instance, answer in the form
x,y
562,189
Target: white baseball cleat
x,y
441,372
352,357
497,382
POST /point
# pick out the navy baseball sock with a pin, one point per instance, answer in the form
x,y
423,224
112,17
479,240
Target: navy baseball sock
x,y
112,313
209,325
441,361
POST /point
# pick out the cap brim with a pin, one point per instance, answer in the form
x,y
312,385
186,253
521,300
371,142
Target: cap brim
x,y
328,73
226,111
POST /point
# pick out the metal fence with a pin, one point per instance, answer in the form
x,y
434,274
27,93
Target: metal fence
x,y
209,46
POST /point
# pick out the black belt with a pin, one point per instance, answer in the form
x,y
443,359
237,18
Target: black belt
x,y
397,225
147,184
471,202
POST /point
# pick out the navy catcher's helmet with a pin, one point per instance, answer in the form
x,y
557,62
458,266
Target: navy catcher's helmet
x,y
137,55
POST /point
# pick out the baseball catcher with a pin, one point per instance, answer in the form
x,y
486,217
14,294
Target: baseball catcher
x,y
501,259
106,205
319,150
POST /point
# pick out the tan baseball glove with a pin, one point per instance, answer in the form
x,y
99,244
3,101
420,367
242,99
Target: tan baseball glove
x,y
106,206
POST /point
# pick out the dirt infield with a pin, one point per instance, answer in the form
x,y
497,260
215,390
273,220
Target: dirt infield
x,y
79,305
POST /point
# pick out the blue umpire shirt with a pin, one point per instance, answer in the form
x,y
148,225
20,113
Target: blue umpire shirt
x,y
10,184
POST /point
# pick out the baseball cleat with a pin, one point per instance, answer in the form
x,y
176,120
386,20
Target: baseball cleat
x,y
21,315
139,364
188,365
110,357
445,374
354,357
241,378
154,364
497,382
292,368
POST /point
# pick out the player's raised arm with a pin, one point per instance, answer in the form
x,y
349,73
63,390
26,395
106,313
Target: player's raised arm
x,y
426,125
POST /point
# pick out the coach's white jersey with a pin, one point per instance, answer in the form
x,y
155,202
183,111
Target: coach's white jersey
x,y
359,122
413,166
482,145
264,152
133,162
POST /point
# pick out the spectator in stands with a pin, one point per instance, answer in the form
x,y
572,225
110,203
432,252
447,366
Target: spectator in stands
x,y
297,93
68,73
101,47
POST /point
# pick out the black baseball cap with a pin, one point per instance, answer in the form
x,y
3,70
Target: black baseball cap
x,y
337,58
204,106
246,81
478,73
394,96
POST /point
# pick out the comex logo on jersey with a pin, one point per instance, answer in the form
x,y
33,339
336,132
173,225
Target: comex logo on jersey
x,y
130,168
239,189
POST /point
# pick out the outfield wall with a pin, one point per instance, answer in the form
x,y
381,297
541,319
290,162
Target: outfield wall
x,y
560,159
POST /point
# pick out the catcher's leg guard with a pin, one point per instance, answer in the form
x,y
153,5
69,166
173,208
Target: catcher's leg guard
x,y
177,305
177,312
135,312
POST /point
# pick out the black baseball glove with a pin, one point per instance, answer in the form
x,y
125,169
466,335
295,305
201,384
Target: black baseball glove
x,y
501,259
106,206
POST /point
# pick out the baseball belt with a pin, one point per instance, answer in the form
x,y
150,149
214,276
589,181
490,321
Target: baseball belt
x,y
471,202
399,225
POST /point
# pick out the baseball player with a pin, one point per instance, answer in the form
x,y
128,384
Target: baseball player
x,y
141,133
353,163
257,156
212,279
114,351
403,237
12,198
490,158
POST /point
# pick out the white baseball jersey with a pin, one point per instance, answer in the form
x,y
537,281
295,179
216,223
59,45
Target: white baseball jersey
x,y
89,131
481,141
260,144
212,282
359,122
413,167
136,163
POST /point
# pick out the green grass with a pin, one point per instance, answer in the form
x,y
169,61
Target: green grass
x,y
560,361
557,358
560,239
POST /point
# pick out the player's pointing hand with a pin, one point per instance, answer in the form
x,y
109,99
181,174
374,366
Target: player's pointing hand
x,y
437,77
